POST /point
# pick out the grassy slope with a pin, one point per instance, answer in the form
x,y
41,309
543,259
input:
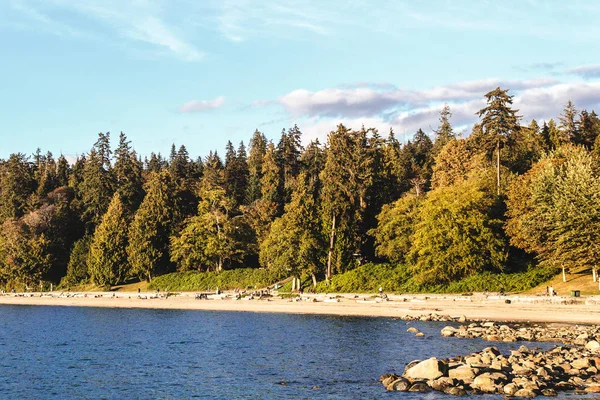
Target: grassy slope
x,y
579,279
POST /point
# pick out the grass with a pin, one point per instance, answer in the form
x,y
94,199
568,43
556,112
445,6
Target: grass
x,y
243,278
579,279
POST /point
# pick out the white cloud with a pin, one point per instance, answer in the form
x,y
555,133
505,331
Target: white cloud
x,y
407,111
370,101
203,105
586,71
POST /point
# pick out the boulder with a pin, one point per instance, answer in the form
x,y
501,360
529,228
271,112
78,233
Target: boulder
x,y
386,379
510,389
592,345
419,334
441,384
524,393
428,369
448,331
412,330
462,373
549,392
420,387
581,363
455,391
399,385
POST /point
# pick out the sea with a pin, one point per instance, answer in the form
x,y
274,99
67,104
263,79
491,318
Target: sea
x,y
104,353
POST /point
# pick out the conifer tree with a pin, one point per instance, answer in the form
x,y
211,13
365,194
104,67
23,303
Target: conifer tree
x,y
128,175
62,171
258,149
17,183
271,185
444,132
107,259
569,124
294,244
97,185
148,249
498,121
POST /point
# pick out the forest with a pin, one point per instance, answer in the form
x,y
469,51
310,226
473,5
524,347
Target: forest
x,y
505,197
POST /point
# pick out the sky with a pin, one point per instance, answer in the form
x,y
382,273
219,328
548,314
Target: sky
x,y
202,72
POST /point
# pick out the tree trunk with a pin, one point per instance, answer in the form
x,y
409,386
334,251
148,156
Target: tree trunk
x,y
293,284
498,166
314,279
564,274
594,274
328,273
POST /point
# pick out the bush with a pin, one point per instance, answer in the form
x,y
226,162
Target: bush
x,y
396,279
225,280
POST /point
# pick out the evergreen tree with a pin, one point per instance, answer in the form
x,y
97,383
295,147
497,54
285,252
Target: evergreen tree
x,y
271,184
128,175
17,183
294,244
258,149
77,269
498,121
444,133
346,179
107,259
287,156
214,238
62,171
569,124
152,225
97,187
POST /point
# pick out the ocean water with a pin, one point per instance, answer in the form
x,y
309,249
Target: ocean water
x,y
102,353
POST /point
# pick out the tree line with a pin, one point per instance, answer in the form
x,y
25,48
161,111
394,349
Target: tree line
x,y
504,197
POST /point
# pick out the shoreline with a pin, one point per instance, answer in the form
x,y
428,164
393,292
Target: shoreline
x,y
493,308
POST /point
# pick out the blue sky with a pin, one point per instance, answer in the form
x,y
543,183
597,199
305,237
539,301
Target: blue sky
x,y
203,72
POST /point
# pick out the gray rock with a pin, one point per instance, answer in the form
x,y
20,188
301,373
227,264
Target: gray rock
x,y
462,373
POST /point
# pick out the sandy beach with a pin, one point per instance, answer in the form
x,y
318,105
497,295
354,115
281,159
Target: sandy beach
x,y
521,308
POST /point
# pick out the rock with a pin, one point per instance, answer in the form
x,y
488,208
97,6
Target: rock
x,y
428,369
581,363
386,379
455,391
420,334
412,330
462,373
488,324
592,345
549,392
510,389
462,319
448,331
493,338
593,389
524,393
441,384
421,387
399,385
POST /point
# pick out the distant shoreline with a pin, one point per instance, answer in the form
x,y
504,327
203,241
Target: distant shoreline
x,y
521,308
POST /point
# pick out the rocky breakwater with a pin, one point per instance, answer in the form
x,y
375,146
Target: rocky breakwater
x,y
567,334
524,373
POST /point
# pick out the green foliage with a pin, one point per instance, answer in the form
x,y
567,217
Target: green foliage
x,y
294,244
148,249
24,256
77,269
397,279
241,278
456,235
107,259
393,235
214,237
554,209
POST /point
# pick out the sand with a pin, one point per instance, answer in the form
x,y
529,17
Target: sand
x,y
521,308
